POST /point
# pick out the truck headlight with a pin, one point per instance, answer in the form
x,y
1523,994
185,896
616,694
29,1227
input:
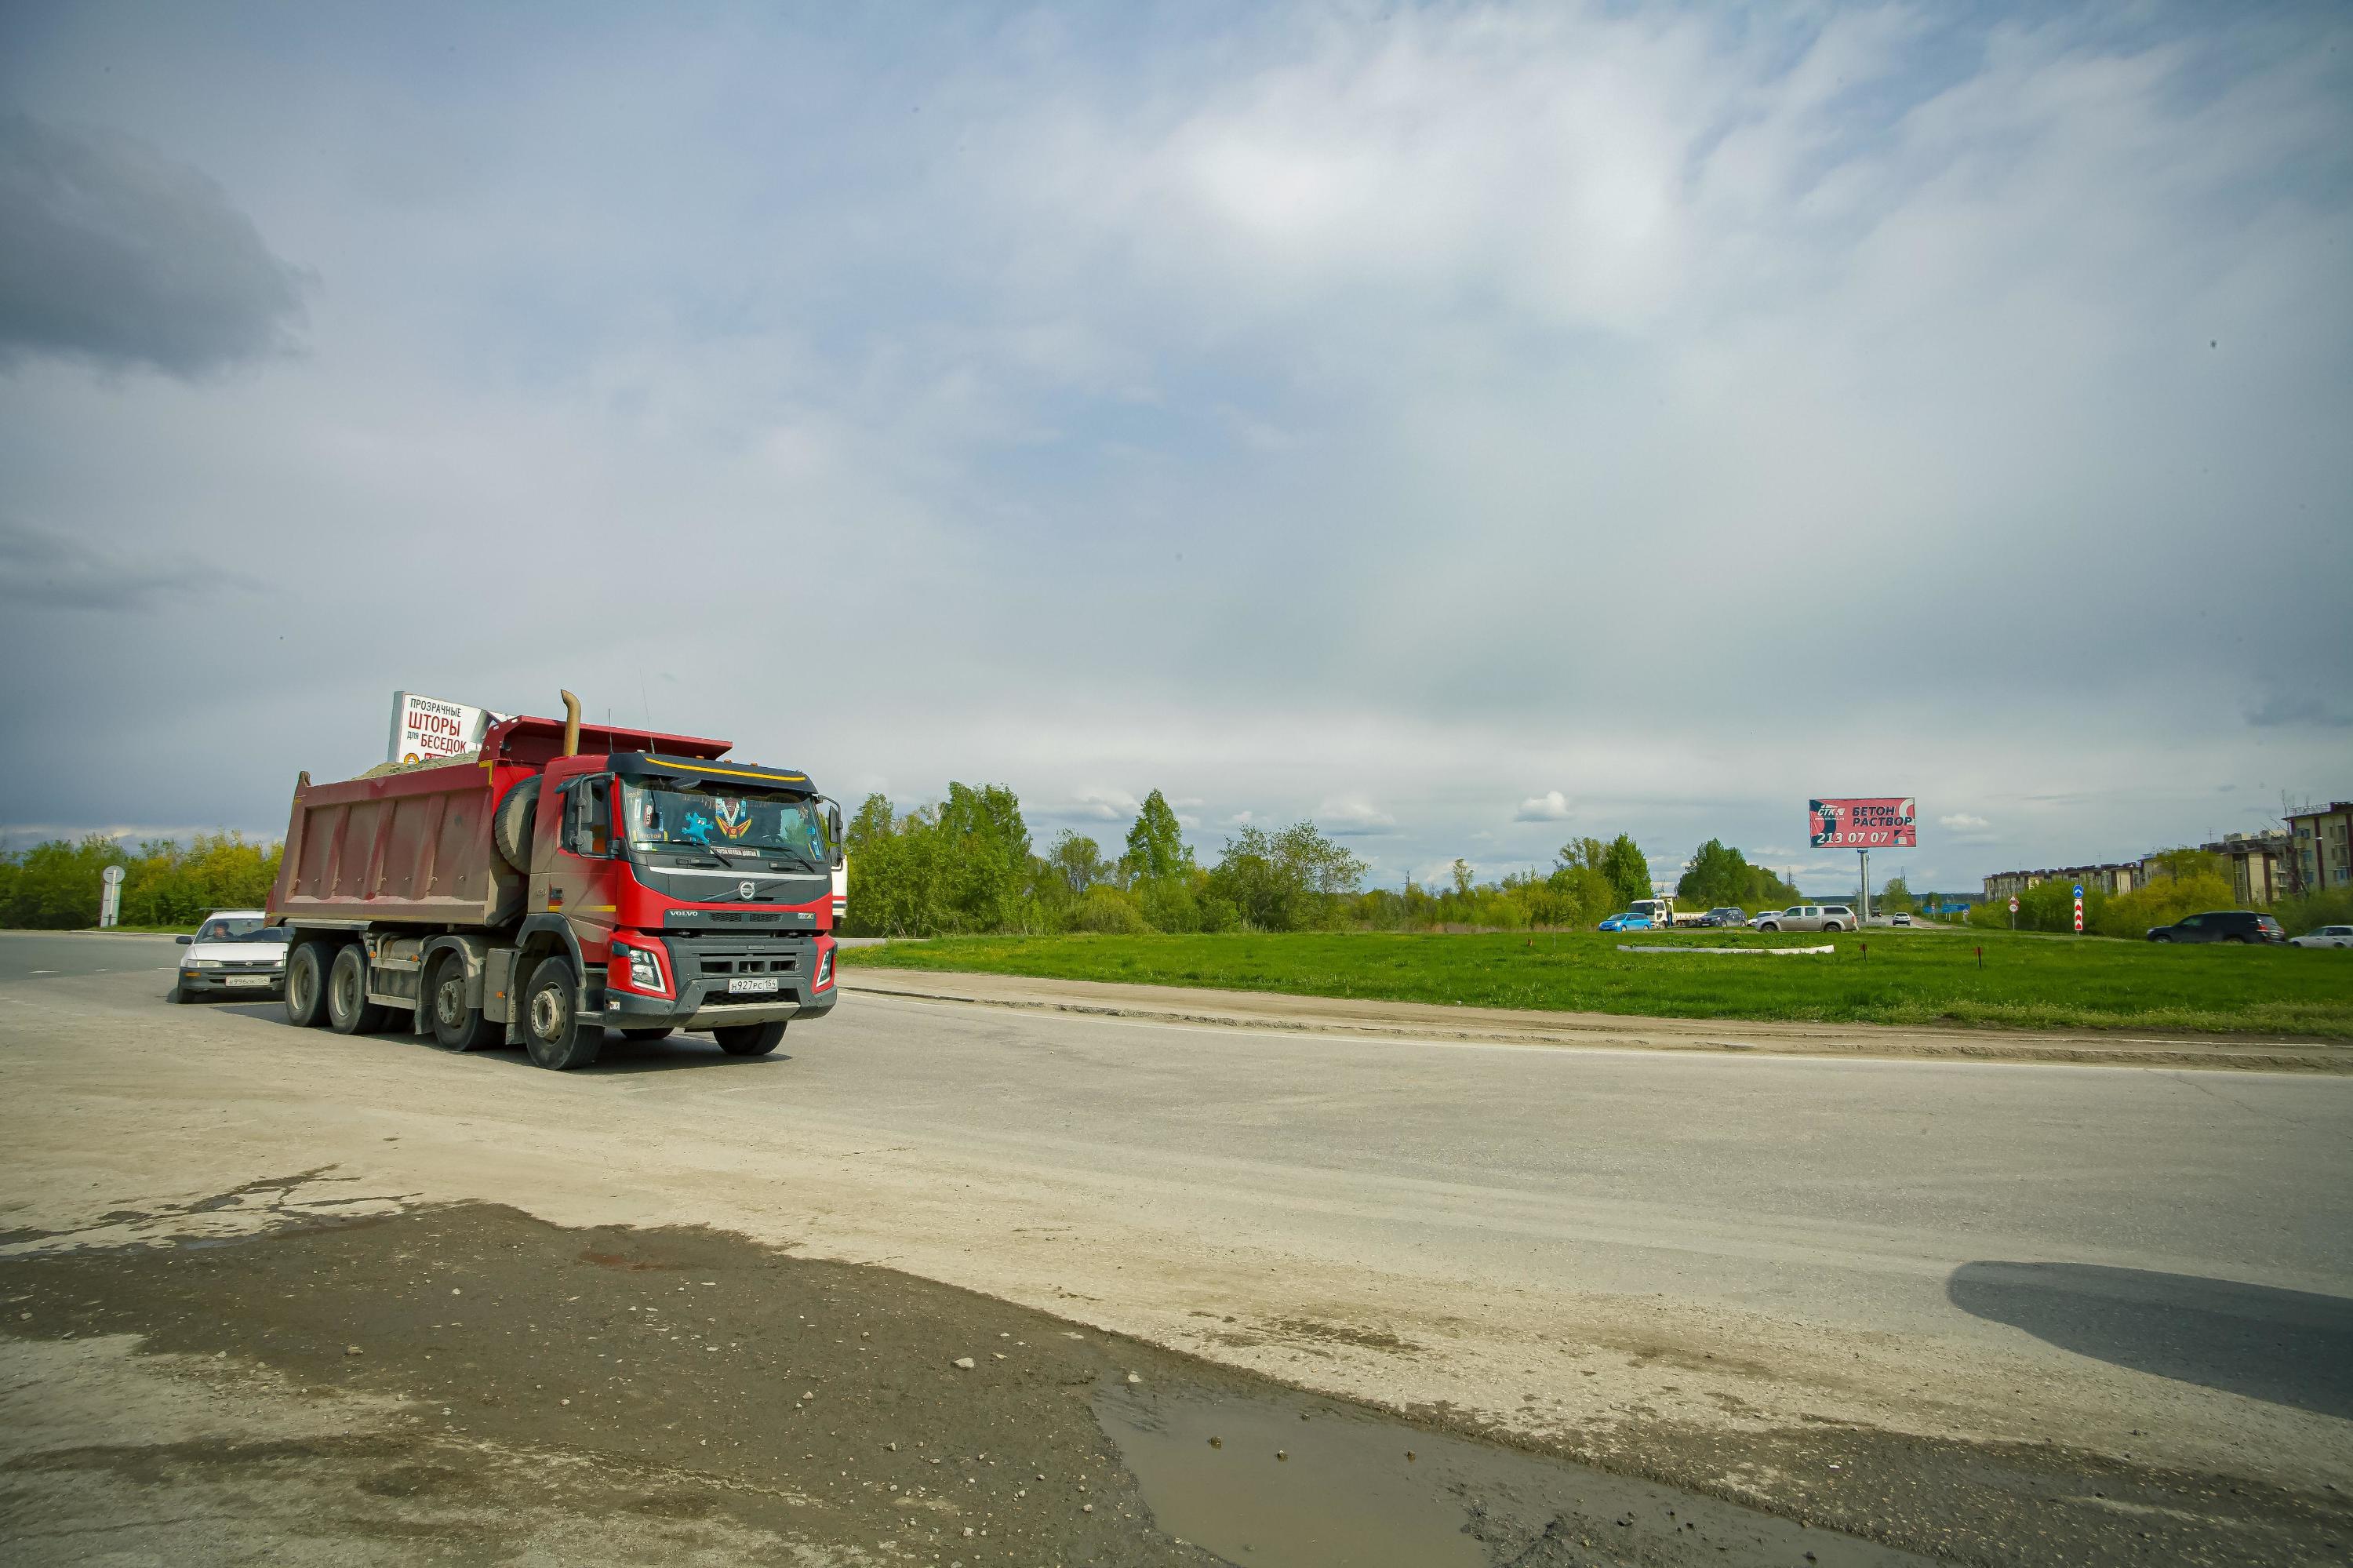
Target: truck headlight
x,y
823,971
645,970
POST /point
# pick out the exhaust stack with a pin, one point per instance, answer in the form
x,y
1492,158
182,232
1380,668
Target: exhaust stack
x,y
571,724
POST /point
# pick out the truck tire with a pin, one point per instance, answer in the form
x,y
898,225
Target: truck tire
x,y
306,984
750,1039
553,1030
1768,926
455,1026
510,824
349,1012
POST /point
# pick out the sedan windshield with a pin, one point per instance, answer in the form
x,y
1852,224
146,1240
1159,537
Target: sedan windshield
x,y
685,818
246,928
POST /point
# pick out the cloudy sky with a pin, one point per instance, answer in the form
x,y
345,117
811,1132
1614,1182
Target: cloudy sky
x,y
1468,426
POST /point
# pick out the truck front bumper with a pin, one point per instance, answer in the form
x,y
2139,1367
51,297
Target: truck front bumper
x,y
705,1004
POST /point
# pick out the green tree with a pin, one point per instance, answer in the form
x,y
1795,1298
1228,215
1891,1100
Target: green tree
x,y
1077,862
1463,875
1895,899
1627,872
55,886
1156,844
1288,881
1718,876
982,861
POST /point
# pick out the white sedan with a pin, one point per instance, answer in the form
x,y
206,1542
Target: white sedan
x,y
234,950
2325,936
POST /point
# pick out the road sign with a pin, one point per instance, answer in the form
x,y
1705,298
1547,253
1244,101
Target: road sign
x,y
2013,902
2079,906
109,897
111,876
2079,893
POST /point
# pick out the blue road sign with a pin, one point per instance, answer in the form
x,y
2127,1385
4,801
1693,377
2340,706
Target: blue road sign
x,y
2079,890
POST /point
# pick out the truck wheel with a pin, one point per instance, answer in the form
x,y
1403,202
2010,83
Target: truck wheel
x,y
510,824
1768,926
349,1012
455,1026
306,985
551,1027
750,1039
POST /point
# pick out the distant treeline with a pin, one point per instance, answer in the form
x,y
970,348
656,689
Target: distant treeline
x,y
55,886
967,865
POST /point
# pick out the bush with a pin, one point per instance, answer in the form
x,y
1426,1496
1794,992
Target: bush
x,y
1108,911
2301,914
2163,902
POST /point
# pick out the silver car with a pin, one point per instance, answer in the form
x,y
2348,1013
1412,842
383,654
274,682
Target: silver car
x,y
1809,918
2325,937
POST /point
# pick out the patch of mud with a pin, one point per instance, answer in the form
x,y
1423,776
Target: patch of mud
x,y
1275,1476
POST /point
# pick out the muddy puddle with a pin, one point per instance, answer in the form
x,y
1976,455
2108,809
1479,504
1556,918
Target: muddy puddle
x,y
1290,1480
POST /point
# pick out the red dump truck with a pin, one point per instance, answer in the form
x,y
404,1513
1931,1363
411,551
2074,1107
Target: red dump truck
x,y
566,879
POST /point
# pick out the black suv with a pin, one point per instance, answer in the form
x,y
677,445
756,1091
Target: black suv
x,y
1724,915
2222,925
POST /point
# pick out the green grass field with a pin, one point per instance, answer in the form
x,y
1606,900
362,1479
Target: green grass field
x,y
1916,977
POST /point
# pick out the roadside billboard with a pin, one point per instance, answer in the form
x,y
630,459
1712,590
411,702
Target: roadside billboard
x,y
425,727
1879,822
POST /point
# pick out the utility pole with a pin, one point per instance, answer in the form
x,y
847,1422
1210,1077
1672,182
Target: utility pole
x,y
1866,885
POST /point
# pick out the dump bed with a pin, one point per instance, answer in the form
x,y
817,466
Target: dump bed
x,y
412,846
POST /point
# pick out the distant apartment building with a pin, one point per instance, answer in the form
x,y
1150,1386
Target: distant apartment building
x,y
2114,877
2320,844
2259,865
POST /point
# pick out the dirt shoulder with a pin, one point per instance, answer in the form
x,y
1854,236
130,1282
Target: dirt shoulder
x,y
1512,1026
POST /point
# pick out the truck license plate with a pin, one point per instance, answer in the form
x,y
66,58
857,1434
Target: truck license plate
x,y
752,985
248,980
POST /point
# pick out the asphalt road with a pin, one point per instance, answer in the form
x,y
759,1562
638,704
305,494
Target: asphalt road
x,y
1689,1266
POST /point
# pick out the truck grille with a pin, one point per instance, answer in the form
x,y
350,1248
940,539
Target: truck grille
x,y
747,963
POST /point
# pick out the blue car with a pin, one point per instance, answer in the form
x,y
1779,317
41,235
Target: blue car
x,y
1628,922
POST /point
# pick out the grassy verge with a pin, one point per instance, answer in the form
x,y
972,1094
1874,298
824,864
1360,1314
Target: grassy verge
x,y
1911,978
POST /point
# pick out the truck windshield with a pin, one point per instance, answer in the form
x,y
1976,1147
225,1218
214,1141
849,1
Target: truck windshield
x,y
692,820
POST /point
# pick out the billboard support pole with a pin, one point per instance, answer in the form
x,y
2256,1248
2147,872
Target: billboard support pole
x,y
1865,884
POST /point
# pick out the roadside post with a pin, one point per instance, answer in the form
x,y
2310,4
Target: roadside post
x,y
109,897
2079,908
2013,911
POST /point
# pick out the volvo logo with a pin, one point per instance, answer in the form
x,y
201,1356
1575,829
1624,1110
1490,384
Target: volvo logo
x,y
745,889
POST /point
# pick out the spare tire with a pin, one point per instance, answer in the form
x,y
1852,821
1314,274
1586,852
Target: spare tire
x,y
510,824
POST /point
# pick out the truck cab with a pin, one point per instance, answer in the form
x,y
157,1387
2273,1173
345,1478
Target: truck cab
x,y
699,892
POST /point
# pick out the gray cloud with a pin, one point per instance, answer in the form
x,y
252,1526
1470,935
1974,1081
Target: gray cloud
x,y
2281,705
40,570
118,254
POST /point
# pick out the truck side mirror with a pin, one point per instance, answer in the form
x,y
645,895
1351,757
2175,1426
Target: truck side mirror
x,y
833,830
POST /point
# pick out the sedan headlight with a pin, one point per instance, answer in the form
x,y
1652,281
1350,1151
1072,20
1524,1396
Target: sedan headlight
x,y
203,964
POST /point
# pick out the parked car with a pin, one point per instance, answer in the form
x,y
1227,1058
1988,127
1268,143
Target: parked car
x,y
1729,915
2325,937
233,950
1629,921
2220,926
1809,918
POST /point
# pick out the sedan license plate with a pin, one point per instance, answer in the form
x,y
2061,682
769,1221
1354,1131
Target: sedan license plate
x,y
752,985
248,980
